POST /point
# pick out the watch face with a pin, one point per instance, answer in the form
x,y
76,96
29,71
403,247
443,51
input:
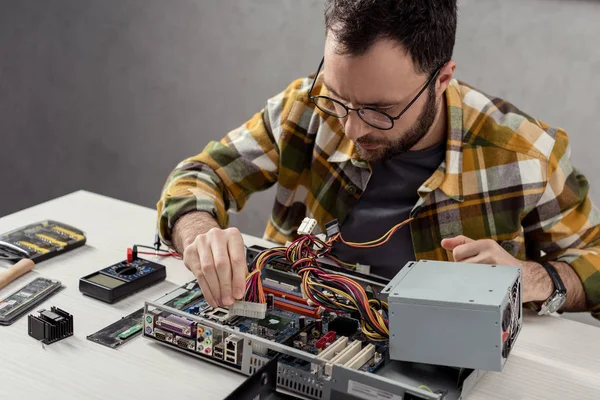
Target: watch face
x,y
556,303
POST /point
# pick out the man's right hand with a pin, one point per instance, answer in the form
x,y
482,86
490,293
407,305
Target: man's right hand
x,y
216,257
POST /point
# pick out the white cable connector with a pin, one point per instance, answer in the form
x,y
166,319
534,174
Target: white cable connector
x,y
248,309
307,226
363,268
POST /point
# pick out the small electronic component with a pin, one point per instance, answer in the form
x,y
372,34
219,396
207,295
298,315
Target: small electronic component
x,y
307,226
303,337
362,357
344,326
121,331
123,279
23,300
184,343
40,241
187,299
131,331
218,351
233,348
218,314
163,335
297,308
284,294
329,337
248,309
319,325
207,338
332,228
301,322
178,325
50,325
344,356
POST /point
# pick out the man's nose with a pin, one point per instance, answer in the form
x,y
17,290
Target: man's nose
x,y
354,127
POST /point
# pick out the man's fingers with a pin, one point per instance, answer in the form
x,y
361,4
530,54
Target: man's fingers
x,y
191,259
465,251
478,259
208,271
235,245
206,290
222,266
452,243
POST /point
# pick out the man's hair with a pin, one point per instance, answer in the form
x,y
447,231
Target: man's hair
x,y
425,28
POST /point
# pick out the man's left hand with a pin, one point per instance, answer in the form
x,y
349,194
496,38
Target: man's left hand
x,y
487,251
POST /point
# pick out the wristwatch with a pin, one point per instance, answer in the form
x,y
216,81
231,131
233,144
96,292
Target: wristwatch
x,y
558,298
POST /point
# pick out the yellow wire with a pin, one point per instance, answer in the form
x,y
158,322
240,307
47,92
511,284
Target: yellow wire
x,y
397,226
425,387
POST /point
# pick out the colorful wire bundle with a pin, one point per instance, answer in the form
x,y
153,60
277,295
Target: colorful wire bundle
x,y
330,291
337,293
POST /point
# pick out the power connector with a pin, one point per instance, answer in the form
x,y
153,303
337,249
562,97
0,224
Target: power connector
x,y
307,226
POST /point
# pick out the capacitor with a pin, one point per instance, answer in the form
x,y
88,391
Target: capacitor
x,y
319,325
301,322
270,301
303,337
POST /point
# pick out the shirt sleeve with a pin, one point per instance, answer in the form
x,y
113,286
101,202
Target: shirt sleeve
x,y
565,225
227,172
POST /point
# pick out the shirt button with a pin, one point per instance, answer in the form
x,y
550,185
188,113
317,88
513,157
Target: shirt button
x,y
351,189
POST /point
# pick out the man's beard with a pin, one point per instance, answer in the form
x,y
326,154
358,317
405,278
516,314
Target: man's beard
x,y
390,149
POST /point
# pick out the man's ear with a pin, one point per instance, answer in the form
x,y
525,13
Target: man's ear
x,y
444,77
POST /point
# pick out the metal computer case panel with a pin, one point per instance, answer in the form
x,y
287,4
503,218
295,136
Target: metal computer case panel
x,y
451,313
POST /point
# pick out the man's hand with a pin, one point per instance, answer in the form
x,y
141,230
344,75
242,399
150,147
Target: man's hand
x,y
218,260
537,285
216,257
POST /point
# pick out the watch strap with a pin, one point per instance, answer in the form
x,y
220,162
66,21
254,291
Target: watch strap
x,y
559,286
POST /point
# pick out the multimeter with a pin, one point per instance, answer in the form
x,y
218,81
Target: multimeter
x,y
123,279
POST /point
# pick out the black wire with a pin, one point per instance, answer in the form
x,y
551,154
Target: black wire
x,y
152,248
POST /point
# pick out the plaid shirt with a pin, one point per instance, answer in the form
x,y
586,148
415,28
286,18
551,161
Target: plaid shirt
x,y
506,177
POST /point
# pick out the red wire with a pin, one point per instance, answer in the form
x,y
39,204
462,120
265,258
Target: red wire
x,y
154,254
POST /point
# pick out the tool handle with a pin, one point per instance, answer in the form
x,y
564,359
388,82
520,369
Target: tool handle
x,y
20,268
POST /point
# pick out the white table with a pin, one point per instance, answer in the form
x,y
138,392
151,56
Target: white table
x,y
553,358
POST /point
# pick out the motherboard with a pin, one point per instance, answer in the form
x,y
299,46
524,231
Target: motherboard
x,y
320,354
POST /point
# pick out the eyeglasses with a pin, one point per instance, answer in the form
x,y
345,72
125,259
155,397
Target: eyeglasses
x,y
370,115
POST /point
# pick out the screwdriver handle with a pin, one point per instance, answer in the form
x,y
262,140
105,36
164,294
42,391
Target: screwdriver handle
x,y
20,268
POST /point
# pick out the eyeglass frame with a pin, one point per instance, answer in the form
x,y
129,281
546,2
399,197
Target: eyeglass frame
x,y
357,109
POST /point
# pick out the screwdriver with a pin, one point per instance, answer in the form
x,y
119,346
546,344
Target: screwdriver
x,y
22,267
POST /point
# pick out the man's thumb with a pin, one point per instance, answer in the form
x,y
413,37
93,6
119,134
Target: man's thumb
x,y
452,243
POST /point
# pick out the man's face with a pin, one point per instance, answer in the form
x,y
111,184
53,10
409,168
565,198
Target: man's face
x,y
385,78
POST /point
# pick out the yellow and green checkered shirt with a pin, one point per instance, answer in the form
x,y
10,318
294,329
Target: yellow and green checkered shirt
x,y
506,176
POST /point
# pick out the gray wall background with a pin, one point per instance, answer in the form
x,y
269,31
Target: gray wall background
x,y
108,95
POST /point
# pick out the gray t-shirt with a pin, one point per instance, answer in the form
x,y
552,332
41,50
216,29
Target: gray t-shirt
x,y
388,199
